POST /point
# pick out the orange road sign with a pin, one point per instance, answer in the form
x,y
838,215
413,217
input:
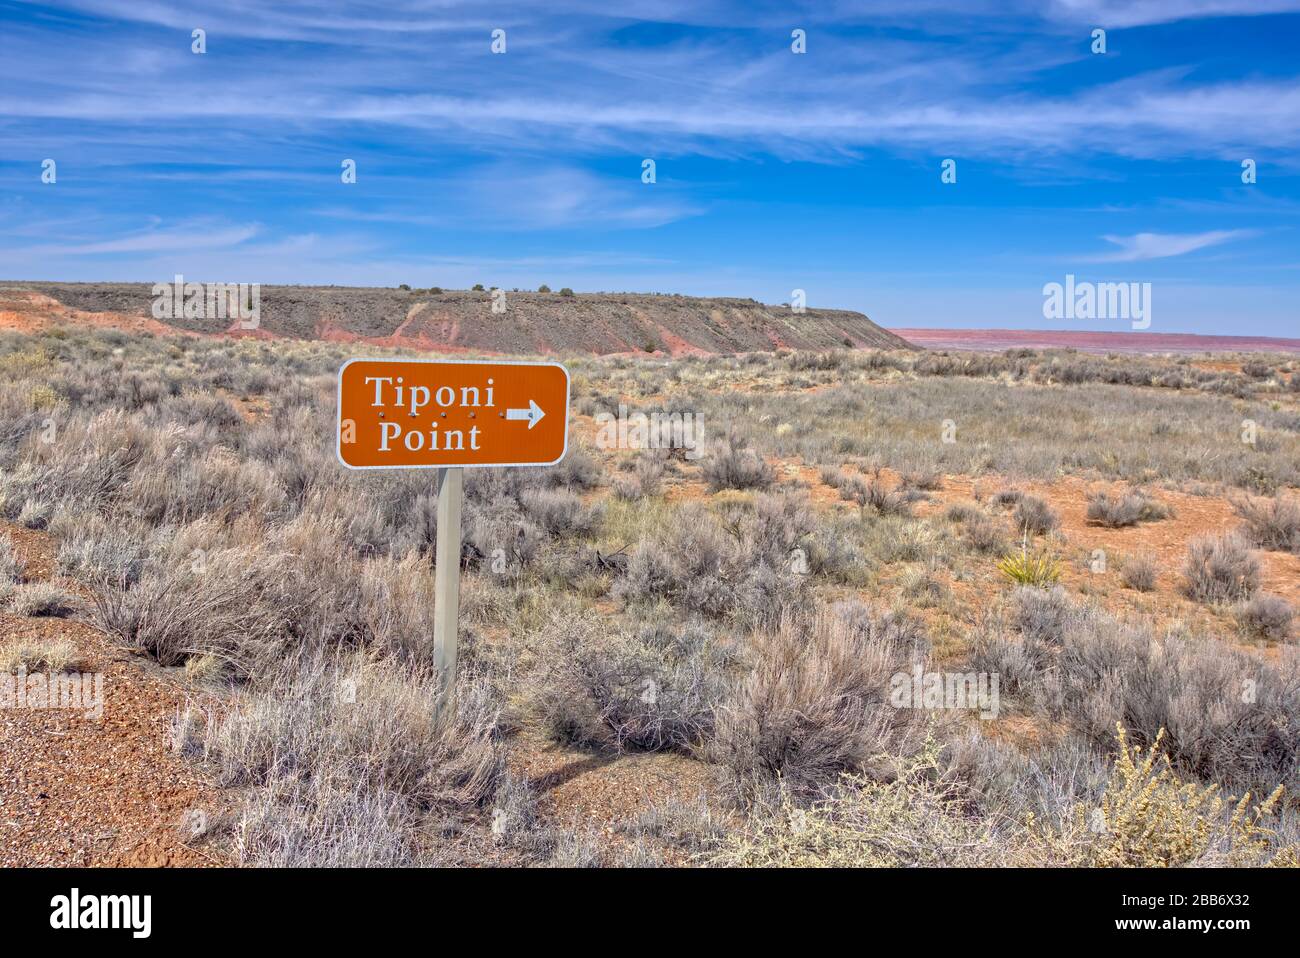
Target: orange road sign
x,y
412,414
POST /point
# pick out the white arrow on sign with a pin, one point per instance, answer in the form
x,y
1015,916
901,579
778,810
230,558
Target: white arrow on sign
x,y
533,414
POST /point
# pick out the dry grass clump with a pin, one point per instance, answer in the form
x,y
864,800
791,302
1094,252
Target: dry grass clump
x,y
980,532
12,566
35,655
561,513
646,479
884,501
1140,573
733,465
228,602
655,689
1266,617
1271,523
1034,516
814,704
1220,569
39,599
1129,509
737,568
350,755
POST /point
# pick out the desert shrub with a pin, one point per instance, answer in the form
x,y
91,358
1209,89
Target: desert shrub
x,y
647,475
928,481
1140,573
1106,672
924,587
561,513
699,567
578,470
224,602
501,526
1011,785
853,489
393,606
831,476
1007,497
1266,616
1126,510
1271,523
320,822
980,532
1220,569
627,488
1041,615
814,704
885,501
688,827
963,512
40,599
344,746
831,550
34,514
733,465
1152,818
909,818
1034,515
656,689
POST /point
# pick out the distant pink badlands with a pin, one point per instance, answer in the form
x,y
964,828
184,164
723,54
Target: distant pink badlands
x,y
986,340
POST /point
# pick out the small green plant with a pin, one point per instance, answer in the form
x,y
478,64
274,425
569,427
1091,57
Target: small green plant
x,y
1039,570
543,288
566,291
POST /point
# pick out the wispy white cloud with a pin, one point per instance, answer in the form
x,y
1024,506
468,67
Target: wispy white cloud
x,y
191,235
1132,13
1145,246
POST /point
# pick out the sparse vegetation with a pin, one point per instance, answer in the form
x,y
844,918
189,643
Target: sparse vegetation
x,y
1127,509
1267,617
738,617
1220,569
1271,523
1140,573
39,598
1034,516
733,465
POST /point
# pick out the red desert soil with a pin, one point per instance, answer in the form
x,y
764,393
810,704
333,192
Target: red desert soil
x,y
78,791
26,312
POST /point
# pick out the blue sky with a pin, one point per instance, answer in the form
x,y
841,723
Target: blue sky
x,y
775,171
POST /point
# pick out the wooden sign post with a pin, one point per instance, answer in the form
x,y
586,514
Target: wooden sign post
x,y
448,415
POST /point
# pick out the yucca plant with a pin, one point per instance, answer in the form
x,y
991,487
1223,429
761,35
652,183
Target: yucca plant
x,y
1039,570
